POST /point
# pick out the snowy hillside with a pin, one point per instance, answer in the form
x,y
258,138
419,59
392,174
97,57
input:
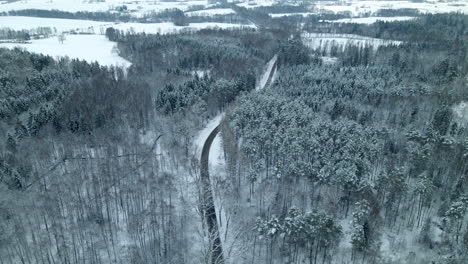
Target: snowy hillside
x,y
56,24
324,42
360,7
211,12
91,48
370,20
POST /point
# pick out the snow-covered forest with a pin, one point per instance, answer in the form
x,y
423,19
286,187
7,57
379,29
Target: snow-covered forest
x,y
233,132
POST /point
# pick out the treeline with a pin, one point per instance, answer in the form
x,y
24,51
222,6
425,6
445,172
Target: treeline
x,y
25,35
377,144
10,34
398,12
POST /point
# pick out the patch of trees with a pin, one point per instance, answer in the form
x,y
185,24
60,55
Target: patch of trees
x,y
398,12
227,59
10,34
63,95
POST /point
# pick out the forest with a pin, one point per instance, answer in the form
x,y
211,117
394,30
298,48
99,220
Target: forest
x,y
364,160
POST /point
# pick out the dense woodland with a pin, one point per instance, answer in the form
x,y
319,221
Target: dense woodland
x,y
371,141
362,161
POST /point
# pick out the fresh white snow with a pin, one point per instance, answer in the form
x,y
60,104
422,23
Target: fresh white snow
x,y
329,60
169,27
60,25
94,27
266,74
211,12
360,7
292,14
216,147
461,113
370,20
257,3
325,41
91,48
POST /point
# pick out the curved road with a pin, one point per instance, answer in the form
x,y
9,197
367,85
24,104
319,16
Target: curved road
x,y
207,199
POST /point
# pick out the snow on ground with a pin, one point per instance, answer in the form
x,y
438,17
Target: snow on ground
x,y
359,7
265,76
135,7
258,3
292,14
211,12
325,41
200,139
202,25
29,23
461,113
94,27
370,20
329,60
90,48
169,27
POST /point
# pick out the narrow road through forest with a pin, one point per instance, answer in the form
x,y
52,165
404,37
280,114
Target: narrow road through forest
x,y
207,193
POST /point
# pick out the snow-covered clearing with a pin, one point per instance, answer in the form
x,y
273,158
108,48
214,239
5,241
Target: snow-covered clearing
x,y
461,113
60,25
94,27
325,41
91,48
370,20
360,7
256,3
211,12
136,7
169,27
292,14
329,60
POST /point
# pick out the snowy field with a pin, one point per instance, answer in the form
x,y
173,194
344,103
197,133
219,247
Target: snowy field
x,y
136,8
169,27
91,48
292,14
93,27
360,7
60,25
257,3
370,20
325,41
211,12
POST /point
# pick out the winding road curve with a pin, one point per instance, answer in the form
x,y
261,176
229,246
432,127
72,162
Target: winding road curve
x,y
207,199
